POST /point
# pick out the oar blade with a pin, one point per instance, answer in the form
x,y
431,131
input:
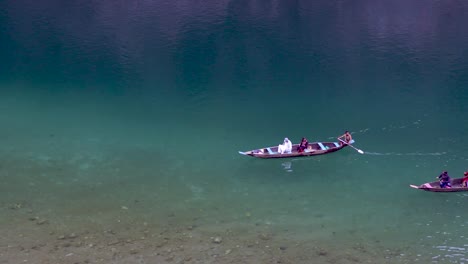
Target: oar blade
x,y
360,151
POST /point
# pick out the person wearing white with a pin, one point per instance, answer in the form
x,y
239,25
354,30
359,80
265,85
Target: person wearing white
x,y
286,147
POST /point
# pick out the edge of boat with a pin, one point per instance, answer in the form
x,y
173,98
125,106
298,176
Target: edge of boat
x,y
315,148
434,186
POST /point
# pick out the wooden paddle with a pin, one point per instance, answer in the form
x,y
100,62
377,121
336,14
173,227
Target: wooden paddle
x,y
358,150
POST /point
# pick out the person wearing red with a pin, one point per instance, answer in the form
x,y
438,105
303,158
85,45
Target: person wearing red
x,y
303,145
465,179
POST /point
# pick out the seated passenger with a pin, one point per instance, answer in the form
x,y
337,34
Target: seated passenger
x,y
345,138
444,180
465,179
303,145
286,147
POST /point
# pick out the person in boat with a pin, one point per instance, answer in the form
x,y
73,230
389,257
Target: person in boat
x,y
303,145
286,147
346,138
465,179
444,180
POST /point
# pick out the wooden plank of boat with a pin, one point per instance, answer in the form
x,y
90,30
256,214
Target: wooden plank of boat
x,y
315,148
435,187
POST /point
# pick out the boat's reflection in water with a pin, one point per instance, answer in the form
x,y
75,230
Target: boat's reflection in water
x,y
287,166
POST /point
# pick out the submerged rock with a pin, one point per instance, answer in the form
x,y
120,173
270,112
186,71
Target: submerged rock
x,y
217,240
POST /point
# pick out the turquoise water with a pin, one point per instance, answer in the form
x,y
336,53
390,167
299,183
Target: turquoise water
x,y
128,117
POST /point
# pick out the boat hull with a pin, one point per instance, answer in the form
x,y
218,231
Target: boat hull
x,y
435,187
315,148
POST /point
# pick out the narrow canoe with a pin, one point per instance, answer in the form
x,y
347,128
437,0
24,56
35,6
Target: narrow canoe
x,y
315,148
435,187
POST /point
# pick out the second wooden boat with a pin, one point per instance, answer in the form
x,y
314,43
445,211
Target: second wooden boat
x,y
435,187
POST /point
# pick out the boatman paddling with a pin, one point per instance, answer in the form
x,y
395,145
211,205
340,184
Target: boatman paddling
x,y
345,138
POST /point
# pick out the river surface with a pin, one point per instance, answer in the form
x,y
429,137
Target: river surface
x,y
121,114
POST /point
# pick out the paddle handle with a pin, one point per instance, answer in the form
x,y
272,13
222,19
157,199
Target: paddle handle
x,y
358,150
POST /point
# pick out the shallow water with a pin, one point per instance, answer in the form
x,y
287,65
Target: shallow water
x,y
129,117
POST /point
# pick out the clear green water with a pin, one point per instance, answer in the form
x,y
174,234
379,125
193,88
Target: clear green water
x,y
144,106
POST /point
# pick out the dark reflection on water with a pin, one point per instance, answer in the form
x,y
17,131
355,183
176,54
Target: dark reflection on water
x,y
262,42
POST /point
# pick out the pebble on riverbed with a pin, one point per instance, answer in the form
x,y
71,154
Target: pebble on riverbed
x,y
216,240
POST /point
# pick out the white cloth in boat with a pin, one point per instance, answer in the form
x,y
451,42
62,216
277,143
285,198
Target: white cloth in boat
x,y
286,147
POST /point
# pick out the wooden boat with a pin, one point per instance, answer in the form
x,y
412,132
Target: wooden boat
x,y
435,187
315,148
